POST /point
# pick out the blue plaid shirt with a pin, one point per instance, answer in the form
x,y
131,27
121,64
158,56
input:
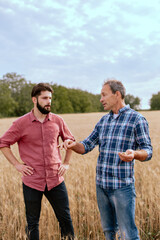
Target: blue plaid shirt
x,y
128,130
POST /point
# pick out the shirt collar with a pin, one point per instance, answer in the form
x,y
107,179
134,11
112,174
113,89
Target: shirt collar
x,y
124,109
33,118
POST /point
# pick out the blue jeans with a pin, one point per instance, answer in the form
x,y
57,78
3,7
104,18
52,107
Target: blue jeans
x,y
58,199
117,211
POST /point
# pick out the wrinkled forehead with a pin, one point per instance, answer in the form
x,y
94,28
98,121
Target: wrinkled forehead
x,y
105,88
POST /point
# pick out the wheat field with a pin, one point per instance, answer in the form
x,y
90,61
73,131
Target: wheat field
x,y
80,182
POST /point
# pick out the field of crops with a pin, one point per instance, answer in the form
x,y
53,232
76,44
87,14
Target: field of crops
x,y
80,182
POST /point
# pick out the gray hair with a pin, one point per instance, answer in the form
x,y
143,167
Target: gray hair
x,y
115,86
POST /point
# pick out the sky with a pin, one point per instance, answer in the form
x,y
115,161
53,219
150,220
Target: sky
x,y
81,43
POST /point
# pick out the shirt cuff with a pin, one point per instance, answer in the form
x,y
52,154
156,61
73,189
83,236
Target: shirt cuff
x,y
149,155
85,147
2,145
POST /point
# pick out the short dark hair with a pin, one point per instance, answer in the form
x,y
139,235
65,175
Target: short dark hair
x,y
115,86
36,90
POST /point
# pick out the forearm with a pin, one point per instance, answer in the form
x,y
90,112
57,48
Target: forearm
x,y
22,168
140,155
78,148
9,156
62,169
67,156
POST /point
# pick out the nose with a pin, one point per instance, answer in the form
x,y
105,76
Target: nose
x,y
49,101
101,99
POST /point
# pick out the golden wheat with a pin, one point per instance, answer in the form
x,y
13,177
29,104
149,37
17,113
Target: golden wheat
x,y
80,181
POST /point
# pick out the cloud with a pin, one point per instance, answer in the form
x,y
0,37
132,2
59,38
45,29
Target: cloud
x,y
79,44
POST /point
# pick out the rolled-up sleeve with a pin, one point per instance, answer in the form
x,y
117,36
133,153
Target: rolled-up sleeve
x,y
11,136
143,138
91,141
65,133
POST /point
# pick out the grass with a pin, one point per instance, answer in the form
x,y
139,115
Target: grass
x,y
80,182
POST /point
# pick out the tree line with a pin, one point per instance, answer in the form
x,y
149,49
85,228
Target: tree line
x,y
15,98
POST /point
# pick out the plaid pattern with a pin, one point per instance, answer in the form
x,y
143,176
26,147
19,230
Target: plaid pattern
x,y
128,130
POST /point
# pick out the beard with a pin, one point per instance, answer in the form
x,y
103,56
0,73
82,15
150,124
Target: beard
x,y
43,110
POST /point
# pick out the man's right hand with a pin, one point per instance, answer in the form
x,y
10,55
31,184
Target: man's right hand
x,y
73,145
67,144
24,169
21,167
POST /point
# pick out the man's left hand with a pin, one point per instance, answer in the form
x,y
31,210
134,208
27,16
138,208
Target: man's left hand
x,y
127,156
62,169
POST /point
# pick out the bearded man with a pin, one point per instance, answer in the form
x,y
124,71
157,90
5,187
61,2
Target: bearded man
x,y
37,134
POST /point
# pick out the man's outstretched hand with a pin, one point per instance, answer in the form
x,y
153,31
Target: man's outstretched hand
x,y
67,144
127,156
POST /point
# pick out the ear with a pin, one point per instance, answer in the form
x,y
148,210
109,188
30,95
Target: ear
x,y
34,100
118,94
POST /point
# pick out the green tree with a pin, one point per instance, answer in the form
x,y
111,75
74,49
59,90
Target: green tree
x,y
99,104
134,102
61,102
80,100
25,103
8,104
15,95
20,91
155,102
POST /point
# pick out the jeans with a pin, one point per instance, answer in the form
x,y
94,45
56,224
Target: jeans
x,y
58,199
117,211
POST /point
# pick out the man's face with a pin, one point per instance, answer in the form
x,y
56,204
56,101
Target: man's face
x,y
108,99
44,102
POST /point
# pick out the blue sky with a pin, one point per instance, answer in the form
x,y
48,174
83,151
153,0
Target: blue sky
x,y
79,44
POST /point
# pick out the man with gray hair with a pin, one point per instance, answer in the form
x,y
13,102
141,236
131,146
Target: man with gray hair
x,y
123,137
